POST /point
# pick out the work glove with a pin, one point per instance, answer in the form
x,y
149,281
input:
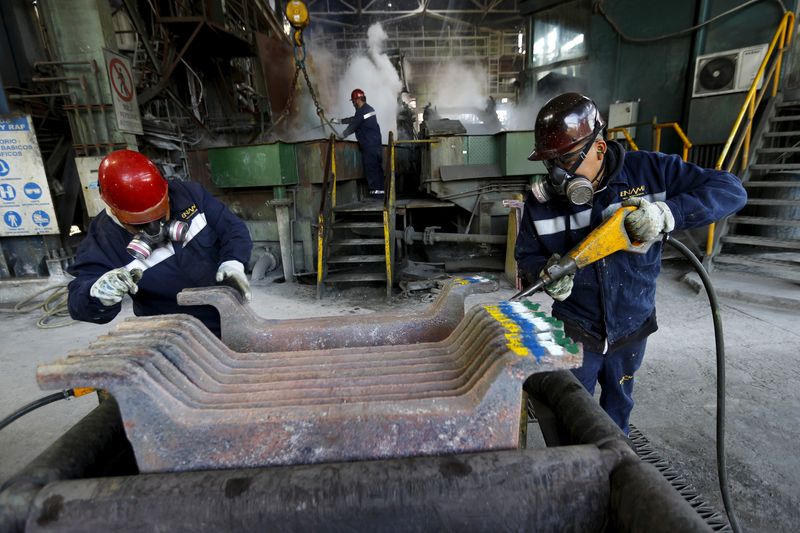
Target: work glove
x,y
649,220
232,273
561,288
114,284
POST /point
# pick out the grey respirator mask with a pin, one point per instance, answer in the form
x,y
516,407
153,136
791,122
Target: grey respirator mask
x,y
155,234
562,182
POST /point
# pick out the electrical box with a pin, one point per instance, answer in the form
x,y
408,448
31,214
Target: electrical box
x,y
623,113
87,171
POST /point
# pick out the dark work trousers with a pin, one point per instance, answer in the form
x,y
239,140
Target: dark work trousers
x,y
372,159
614,371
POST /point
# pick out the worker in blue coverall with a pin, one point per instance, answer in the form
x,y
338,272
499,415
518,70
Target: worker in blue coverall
x,y
155,239
368,133
609,306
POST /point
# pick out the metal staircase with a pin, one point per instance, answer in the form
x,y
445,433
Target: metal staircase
x,y
764,237
354,242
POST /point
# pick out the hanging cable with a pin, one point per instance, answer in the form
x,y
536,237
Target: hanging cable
x,y
598,7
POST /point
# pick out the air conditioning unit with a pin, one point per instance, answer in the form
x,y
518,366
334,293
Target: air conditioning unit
x,y
726,72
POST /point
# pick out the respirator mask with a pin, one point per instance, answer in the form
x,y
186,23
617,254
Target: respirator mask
x,y
561,179
154,234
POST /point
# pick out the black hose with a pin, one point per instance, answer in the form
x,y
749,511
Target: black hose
x,y
722,469
41,402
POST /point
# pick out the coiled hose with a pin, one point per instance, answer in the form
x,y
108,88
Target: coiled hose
x,y
53,307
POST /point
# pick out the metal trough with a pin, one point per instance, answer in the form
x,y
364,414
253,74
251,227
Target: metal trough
x,y
189,402
244,331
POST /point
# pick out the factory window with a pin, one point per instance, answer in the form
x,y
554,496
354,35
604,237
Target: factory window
x,y
560,33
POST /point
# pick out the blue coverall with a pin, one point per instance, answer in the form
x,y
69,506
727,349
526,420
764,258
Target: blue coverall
x,y
368,134
215,235
611,309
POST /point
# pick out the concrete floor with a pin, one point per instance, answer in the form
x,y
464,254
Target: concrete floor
x,y
675,388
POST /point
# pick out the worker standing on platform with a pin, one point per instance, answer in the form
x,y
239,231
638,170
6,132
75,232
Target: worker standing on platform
x,y
609,306
368,133
155,239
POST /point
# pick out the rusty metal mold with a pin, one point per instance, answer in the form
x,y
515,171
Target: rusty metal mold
x,y
244,331
188,402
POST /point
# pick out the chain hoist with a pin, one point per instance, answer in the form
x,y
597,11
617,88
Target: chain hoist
x,y
297,15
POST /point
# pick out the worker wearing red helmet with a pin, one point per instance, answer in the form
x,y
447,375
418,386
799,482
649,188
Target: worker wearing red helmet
x,y
154,239
368,134
609,306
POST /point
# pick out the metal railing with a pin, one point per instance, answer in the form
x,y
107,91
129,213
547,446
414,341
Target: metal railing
x,y
625,133
389,217
687,144
770,73
657,128
327,204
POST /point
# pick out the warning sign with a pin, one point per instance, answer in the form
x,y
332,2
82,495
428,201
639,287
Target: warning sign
x,y
25,204
123,92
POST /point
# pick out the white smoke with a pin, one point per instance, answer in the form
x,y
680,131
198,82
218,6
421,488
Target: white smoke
x,y
374,74
459,85
334,78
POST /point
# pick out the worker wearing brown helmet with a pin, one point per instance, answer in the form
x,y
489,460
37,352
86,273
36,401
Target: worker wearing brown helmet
x,y
609,306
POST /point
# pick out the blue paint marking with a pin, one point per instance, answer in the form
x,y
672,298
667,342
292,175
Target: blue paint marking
x,y
41,219
32,190
5,168
7,192
528,333
12,219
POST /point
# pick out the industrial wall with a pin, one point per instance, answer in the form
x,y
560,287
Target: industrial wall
x,y
659,74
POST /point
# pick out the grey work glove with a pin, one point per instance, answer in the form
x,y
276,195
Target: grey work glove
x,y
649,220
561,288
114,284
232,272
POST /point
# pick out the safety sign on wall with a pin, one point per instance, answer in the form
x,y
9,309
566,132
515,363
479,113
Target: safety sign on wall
x,y
26,207
123,92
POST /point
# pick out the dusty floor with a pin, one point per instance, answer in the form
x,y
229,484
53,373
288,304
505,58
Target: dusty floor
x,y
675,389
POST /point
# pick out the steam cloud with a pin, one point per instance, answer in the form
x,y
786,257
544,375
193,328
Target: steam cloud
x,y
334,78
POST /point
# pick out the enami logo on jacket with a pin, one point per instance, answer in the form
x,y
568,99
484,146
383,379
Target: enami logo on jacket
x,y
636,191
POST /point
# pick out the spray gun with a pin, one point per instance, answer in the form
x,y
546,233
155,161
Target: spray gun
x,y
608,238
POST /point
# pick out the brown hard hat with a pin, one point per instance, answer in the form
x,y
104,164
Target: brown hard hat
x,y
563,123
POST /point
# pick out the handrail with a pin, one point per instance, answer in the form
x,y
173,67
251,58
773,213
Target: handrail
x,y
782,38
624,131
687,144
325,209
388,216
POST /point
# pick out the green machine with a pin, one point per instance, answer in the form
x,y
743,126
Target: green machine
x,y
260,165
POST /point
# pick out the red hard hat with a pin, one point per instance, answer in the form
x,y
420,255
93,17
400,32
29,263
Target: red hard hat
x,y
563,124
357,93
134,189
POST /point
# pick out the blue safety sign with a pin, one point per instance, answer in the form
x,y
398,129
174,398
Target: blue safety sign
x,y
7,192
5,168
32,190
12,219
40,218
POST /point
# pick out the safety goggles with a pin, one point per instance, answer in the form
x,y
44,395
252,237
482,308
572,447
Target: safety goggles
x,y
563,167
